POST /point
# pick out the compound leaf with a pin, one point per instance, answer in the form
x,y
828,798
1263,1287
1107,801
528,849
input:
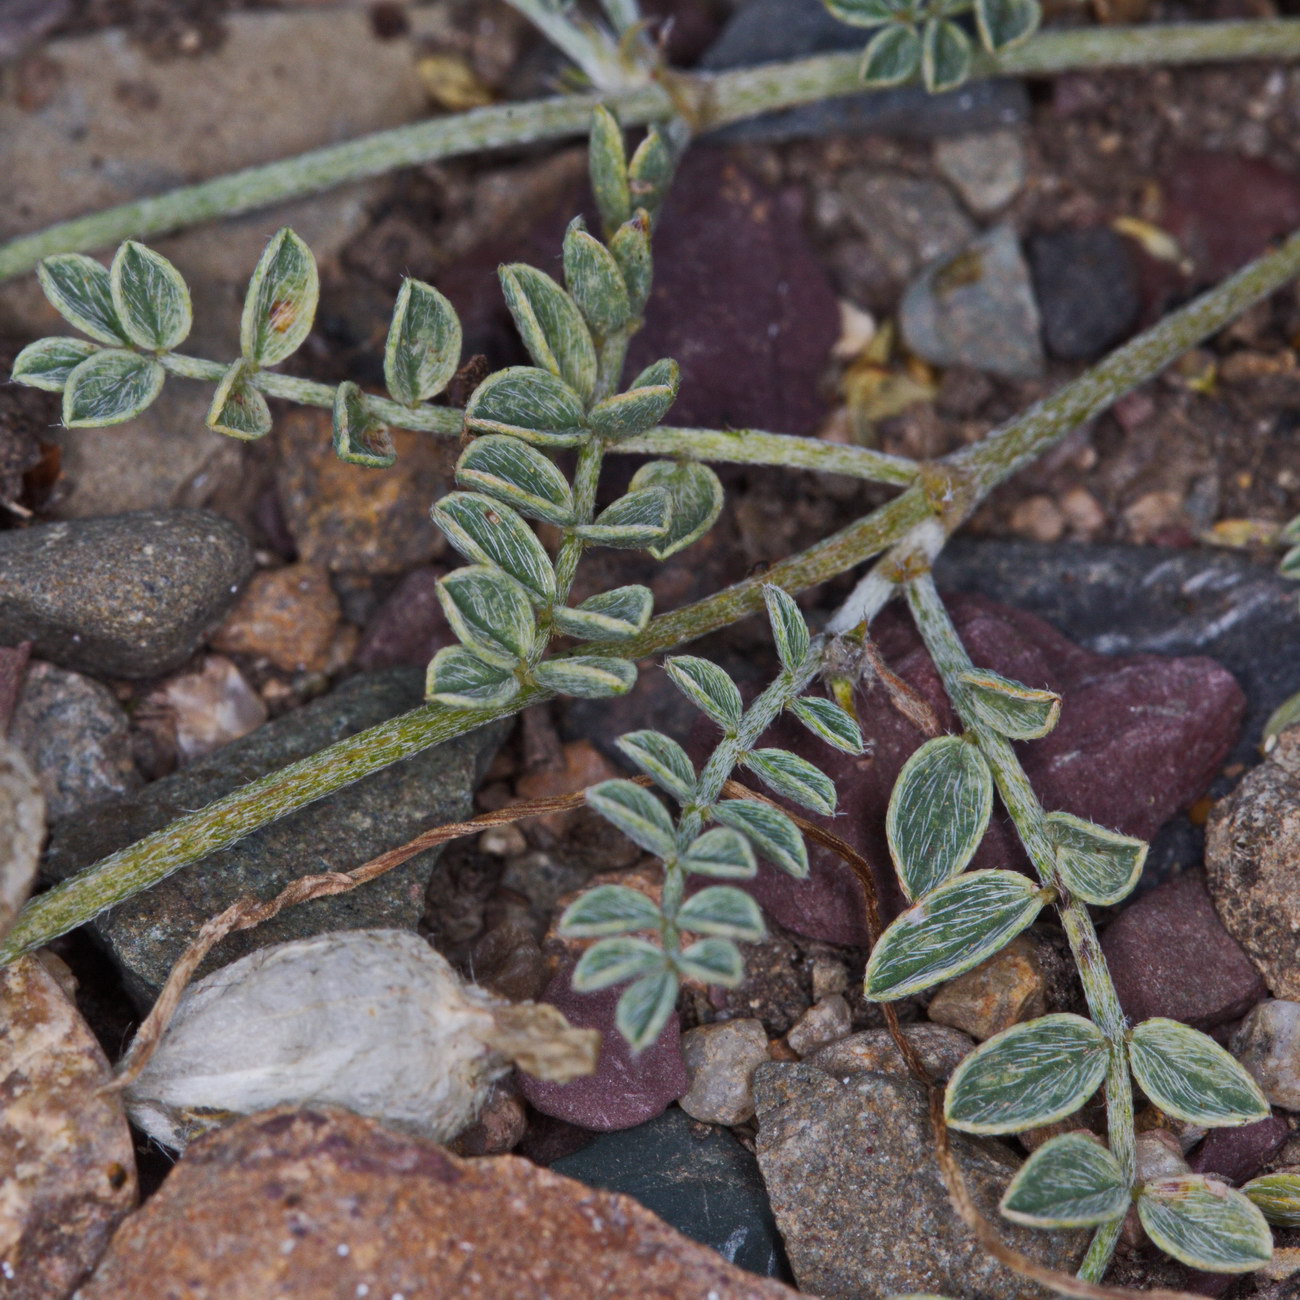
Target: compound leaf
x,y
952,929
517,474
110,387
695,495
281,301
1205,1224
1189,1076
1071,1181
938,812
1031,1074
150,298
775,836
423,346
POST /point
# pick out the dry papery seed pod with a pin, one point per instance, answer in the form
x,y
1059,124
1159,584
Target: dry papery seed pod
x,y
374,1020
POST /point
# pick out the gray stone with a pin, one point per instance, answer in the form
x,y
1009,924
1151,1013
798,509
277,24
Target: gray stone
x,y
1268,1045
129,595
22,814
941,1051
824,1023
699,1180
147,933
987,170
976,309
721,1060
850,1170
1086,282
1122,600
76,737
906,221
764,31
1252,864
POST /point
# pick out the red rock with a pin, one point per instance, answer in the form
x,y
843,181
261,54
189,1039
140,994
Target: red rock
x,y
1238,1154
409,628
66,1163
324,1205
1170,955
1140,737
626,1089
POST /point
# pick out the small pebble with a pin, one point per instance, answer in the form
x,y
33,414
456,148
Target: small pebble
x,y
1009,987
1268,1045
987,170
194,713
721,1060
825,1022
1087,287
1038,518
287,616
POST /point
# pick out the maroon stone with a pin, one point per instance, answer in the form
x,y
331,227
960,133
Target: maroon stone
x,y
627,1089
1170,955
409,628
1140,737
1237,1154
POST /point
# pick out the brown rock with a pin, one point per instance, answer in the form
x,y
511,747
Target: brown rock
x,y
325,1205
582,765
824,1023
66,1163
285,615
941,1051
191,714
1252,862
348,518
1009,987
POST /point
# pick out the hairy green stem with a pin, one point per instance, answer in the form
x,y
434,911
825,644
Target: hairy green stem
x,y
1020,801
708,100
586,479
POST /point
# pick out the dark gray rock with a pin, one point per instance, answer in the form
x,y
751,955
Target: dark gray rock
x,y
1133,599
765,31
695,1177
976,308
129,595
75,736
148,932
850,1170
1087,287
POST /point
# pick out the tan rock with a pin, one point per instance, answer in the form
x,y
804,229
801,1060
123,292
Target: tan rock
x,y
1152,513
1039,518
193,713
352,519
323,1205
1009,987
582,765
824,1022
941,1051
67,1168
287,616
721,1060
22,813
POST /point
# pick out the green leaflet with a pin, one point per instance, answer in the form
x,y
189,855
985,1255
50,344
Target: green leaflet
x,y
80,290
1015,711
775,836
423,347
892,56
515,473
528,403
608,168
490,532
1277,1197
1069,1182
1205,1224
644,1009
590,677
609,616
238,409
663,760
708,688
594,281
47,363
1188,1075
1005,23
1095,864
281,301
952,929
637,813
721,852
150,298
938,812
793,778
551,326
611,961
789,630
360,437
110,387
631,522
630,245
641,407
1289,565
490,614
649,172
865,13
712,961
695,495
825,719
1031,1074
461,680
722,910
945,55
609,909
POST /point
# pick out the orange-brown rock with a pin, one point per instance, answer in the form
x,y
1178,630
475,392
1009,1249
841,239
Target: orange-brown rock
x,y
287,616
324,1205
67,1169
1009,987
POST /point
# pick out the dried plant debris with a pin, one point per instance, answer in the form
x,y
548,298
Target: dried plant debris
x,y
22,814
374,1020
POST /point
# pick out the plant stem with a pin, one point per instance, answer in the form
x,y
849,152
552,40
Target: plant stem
x,y
1020,801
708,100
586,478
